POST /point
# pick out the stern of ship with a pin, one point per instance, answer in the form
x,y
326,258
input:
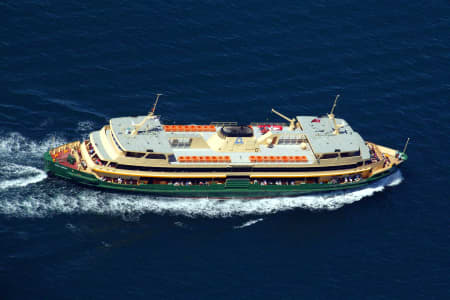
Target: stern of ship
x,y
66,162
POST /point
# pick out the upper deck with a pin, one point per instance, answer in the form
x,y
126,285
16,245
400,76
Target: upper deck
x,y
314,141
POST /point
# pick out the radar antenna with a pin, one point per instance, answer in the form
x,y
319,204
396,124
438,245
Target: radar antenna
x,y
331,116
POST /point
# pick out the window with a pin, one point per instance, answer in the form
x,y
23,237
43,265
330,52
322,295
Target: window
x,y
115,141
350,154
329,155
155,156
291,139
134,154
134,168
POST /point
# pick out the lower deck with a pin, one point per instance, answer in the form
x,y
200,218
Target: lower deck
x,y
229,188
82,157
66,162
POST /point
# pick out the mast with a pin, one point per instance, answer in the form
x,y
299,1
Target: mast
x,y
150,115
334,105
332,118
406,145
154,105
292,124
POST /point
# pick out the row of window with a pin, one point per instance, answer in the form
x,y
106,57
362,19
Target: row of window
x,y
147,155
236,169
342,154
289,141
115,141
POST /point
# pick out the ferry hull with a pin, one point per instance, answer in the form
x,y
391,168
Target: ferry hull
x,y
213,190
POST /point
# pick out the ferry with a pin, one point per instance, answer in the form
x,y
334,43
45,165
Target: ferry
x,y
306,154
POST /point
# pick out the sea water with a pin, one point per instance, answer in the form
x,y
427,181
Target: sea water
x,y
66,68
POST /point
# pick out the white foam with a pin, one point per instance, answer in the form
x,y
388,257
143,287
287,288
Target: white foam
x,y
17,147
29,175
105,244
85,126
72,227
18,153
181,225
248,223
131,206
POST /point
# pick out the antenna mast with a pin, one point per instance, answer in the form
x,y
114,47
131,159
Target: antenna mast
x,y
292,125
334,104
332,118
151,115
406,145
154,105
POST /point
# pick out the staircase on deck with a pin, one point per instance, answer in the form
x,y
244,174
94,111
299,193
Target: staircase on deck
x,y
237,183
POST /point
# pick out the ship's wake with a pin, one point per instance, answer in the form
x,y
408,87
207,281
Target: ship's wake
x,y
21,161
19,175
20,197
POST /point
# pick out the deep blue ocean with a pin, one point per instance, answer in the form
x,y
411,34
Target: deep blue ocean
x,y
67,67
